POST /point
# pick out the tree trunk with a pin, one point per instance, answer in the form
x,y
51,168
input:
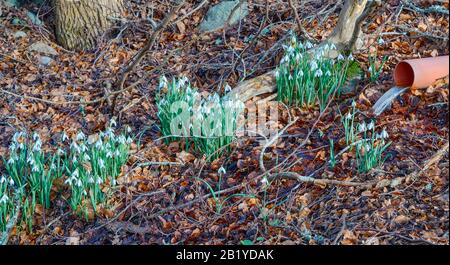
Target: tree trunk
x,y
343,37
80,23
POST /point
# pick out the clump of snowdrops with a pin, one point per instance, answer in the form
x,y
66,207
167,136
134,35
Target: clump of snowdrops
x,y
303,79
87,167
208,123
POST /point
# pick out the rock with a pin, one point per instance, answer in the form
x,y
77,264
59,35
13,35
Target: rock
x,y
19,34
34,19
45,60
218,15
41,47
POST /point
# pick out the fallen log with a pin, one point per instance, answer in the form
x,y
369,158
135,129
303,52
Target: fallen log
x,y
343,37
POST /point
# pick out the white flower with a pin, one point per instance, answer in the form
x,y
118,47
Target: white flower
x,y
340,57
11,160
350,57
318,73
74,159
227,88
69,181
79,183
277,74
129,140
381,41
87,157
11,181
37,146
290,77
99,144
13,147
354,103
128,129
113,181
384,134
348,116
308,45
328,73
362,127
313,65
35,168
80,136
76,173
2,180
101,163
370,69
113,123
371,125
221,171
64,137
91,180
99,181
35,136
4,199
75,147
60,151
298,57
162,82
109,154
300,73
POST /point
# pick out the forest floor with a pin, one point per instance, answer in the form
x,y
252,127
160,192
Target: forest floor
x,y
160,199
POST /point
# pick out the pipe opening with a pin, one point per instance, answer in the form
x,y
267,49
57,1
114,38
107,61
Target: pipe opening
x,y
404,75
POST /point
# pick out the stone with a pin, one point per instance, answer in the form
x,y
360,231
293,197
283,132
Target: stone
x,y
43,48
19,34
217,16
45,60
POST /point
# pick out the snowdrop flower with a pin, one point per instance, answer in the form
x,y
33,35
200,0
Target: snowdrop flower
x,y
11,182
333,46
370,69
80,136
79,183
87,157
362,127
36,136
84,192
384,134
2,180
129,140
109,154
348,116
4,199
53,166
76,173
227,88
328,73
277,74
60,151
12,147
64,137
21,146
298,57
11,160
340,57
162,82
318,73
99,181
91,180
122,139
35,168
113,123
221,171
308,45
290,77
381,41
354,104
37,146
101,163
350,57
367,148
69,181
75,147
74,160
99,144
371,125
113,181
313,65
300,73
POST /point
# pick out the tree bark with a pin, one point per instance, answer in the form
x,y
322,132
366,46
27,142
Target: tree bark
x,y
80,23
343,37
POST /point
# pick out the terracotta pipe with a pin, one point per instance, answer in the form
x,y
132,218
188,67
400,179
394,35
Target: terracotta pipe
x,y
421,73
